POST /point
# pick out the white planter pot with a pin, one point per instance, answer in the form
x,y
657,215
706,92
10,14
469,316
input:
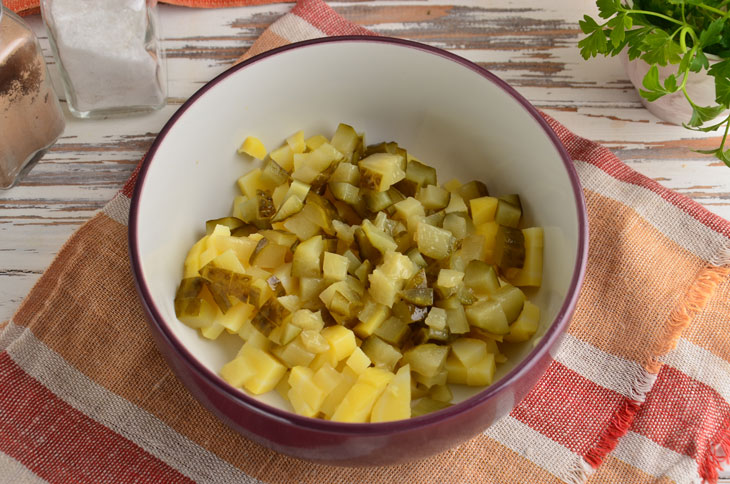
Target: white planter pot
x,y
673,108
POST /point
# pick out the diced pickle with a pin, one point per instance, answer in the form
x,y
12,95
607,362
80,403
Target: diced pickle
x,y
427,359
509,248
417,175
473,189
481,278
420,296
380,171
231,222
509,211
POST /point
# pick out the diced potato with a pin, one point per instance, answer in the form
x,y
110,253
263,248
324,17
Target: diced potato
x,y
341,340
358,361
371,316
254,147
336,395
296,142
304,394
357,404
267,370
483,209
293,354
395,402
314,142
192,260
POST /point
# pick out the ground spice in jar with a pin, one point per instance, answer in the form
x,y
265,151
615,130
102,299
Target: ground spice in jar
x,y
30,116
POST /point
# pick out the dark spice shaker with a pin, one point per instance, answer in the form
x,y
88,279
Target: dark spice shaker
x,y
31,119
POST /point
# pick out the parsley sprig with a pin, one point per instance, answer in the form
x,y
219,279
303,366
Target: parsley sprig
x,y
677,32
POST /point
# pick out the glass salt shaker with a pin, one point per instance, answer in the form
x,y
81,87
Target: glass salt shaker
x,y
108,53
31,119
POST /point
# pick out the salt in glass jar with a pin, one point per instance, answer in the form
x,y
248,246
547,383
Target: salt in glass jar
x,y
108,53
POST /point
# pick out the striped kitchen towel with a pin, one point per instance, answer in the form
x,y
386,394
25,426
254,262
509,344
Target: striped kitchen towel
x,y
638,392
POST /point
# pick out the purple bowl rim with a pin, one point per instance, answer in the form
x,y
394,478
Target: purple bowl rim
x,y
553,333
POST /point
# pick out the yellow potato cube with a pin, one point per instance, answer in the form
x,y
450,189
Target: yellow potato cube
x,y
236,315
250,183
327,379
395,402
212,331
483,209
254,147
358,403
371,317
383,289
293,354
341,340
335,396
358,361
296,142
242,246
489,231
237,372
192,260
305,396
315,141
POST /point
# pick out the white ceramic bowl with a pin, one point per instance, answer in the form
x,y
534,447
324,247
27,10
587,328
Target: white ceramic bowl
x,y
445,110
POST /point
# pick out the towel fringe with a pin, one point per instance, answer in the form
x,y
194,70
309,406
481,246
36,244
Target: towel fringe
x,y
616,428
693,302
712,463
577,473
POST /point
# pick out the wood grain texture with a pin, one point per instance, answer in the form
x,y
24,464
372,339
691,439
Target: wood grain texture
x,y
530,44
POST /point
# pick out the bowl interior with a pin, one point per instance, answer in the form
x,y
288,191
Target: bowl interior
x,y
457,118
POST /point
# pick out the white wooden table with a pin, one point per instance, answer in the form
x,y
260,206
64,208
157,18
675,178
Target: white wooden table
x,y
531,44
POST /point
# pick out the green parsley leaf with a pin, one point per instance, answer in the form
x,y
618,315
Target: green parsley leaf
x,y
606,8
721,72
702,114
713,33
660,48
